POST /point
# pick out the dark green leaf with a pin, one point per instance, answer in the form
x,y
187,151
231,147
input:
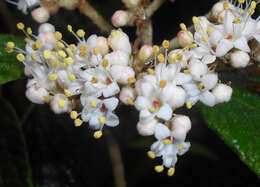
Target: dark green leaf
x,y
238,123
10,68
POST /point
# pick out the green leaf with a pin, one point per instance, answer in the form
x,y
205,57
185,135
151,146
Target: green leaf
x,y
10,68
15,168
238,123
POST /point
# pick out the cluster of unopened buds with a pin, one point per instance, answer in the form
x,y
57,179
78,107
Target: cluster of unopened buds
x,y
89,79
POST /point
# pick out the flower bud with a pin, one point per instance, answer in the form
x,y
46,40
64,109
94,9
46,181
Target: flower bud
x,y
222,93
146,128
216,9
179,134
118,58
118,40
120,18
121,74
40,15
181,121
145,87
47,37
36,95
239,59
60,104
46,27
178,96
127,95
185,38
102,45
145,52
27,71
197,69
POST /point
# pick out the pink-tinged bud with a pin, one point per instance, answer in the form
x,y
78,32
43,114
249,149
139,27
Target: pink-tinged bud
x,y
102,45
145,52
118,58
118,40
216,9
36,95
239,59
122,74
146,128
127,95
69,4
40,15
181,121
27,71
60,104
120,18
185,38
46,27
222,93
47,37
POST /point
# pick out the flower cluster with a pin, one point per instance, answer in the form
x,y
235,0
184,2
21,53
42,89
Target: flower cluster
x,y
89,79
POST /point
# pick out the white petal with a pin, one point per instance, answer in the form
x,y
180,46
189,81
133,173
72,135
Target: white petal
x,y
257,37
208,59
94,123
209,80
111,119
165,112
223,47
111,90
185,148
208,98
142,103
161,131
182,78
228,22
145,115
111,103
241,44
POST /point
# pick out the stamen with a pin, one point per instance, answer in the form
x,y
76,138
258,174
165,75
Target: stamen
x,y
183,27
151,71
58,35
81,33
188,105
93,104
47,54
165,44
97,134
78,122
20,26
131,80
159,168
62,103
71,77
53,76
151,154
73,114
130,101
156,49
162,83
102,120
171,171
105,63
160,57
67,92
94,80
20,57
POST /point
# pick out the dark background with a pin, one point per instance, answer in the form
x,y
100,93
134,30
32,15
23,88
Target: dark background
x,y
64,156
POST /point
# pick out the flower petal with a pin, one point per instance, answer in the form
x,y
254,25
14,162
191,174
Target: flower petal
x,y
241,44
111,119
111,103
165,112
161,131
223,47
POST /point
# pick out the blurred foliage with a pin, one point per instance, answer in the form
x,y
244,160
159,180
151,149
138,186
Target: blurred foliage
x,y
237,122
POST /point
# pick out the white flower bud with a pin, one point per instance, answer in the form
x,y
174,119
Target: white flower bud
x,y
36,95
185,38
118,58
102,45
145,87
121,74
239,59
145,52
179,134
178,96
60,104
222,93
46,27
146,128
120,18
47,37
216,9
197,69
181,121
118,40
40,15
127,95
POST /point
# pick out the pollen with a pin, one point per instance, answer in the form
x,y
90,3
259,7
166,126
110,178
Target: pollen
x,y
163,83
62,103
130,101
156,49
116,34
188,105
61,54
105,63
102,120
83,54
204,39
78,122
93,104
208,31
151,71
27,40
33,56
68,61
195,20
29,30
236,20
159,168
47,54
10,45
151,154
54,63
186,71
20,57
71,77
171,171
20,26
200,85
83,48
179,57
67,93
53,76
97,134
60,45
167,142
225,5
73,114
81,33
58,35
183,27
192,46
165,44
38,44
160,57
94,80
69,27
181,146
95,51
172,58
131,80
73,47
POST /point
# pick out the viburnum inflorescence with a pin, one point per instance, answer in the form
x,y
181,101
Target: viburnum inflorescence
x,y
88,79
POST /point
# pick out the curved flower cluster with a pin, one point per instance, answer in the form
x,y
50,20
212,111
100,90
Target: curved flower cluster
x,y
89,78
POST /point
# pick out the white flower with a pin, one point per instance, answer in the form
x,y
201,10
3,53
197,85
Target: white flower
x,y
222,93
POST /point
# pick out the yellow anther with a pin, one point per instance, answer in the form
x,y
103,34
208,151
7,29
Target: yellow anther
x,y
58,35
160,57
165,44
69,27
54,63
179,57
171,171
102,120
9,50
83,54
94,80
29,30
105,63
241,1
151,71
116,33
74,114
200,85
208,31
27,40
97,134
67,92
83,48
151,154
73,47
188,105
172,58
33,56
167,142
61,54
159,168
183,27
253,5
156,49
71,77
162,83
10,45
151,110
181,146
195,20
187,71
20,57
47,54
62,103
93,104
204,39
95,51
38,44
186,48
225,5
68,61
78,122
236,20
251,11
192,46
53,76
20,26
129,101
81,33
60,44
131,80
